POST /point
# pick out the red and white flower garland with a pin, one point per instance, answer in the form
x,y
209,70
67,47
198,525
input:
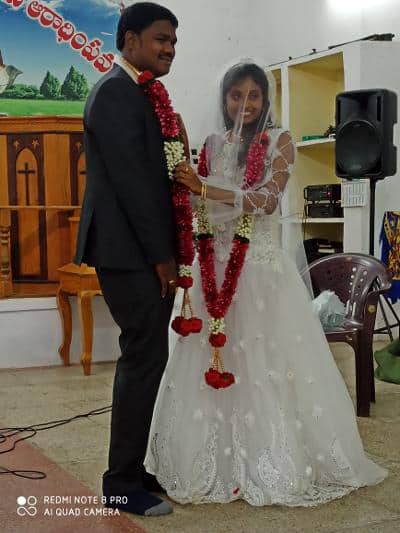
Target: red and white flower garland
x,y
218,303
174,153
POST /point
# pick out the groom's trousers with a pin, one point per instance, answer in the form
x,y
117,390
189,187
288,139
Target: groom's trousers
x,y
134,299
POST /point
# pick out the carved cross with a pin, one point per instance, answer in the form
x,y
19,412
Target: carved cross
x,y
26,171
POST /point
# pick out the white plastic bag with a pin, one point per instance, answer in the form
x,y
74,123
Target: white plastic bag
x,y
329,309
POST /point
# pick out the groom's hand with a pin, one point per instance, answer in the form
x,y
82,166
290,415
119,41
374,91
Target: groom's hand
x,y
167,275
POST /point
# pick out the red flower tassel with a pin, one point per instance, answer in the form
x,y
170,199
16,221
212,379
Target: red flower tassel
x,y
182,325
196,324
185,282
212,378
159,99
215,378
217,340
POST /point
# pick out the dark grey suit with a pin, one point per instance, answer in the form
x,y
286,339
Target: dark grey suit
x,y
126,220
126,227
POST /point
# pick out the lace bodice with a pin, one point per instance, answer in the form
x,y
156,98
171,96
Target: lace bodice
x,y
265,243
263,203
225,174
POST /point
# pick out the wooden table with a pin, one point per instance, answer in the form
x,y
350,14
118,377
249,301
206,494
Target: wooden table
x,y
80,281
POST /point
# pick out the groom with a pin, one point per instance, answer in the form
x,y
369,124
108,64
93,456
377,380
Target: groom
x,y
127,232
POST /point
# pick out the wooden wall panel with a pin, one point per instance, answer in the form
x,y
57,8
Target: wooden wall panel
x,y
28,232
57,172
26,188
78,182
81,177
3,171
78,168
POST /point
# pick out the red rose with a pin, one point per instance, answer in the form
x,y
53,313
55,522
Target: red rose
x,y
218,380
217,340
202,164
226,379
181,325
195,324
163,98
185,282
176,324
264,137
145,77
212,378
186,327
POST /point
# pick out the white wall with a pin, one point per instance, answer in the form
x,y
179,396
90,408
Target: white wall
x,y
213,33
31,333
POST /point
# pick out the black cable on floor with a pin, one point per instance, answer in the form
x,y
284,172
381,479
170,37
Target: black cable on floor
x,y
27,474
8,433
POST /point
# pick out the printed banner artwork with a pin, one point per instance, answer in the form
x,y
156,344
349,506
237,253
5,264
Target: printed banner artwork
x,y
52,72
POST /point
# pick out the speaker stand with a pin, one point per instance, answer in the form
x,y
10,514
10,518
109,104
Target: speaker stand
x,y
387,327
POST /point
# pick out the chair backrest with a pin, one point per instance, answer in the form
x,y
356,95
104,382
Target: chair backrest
x,y
351,276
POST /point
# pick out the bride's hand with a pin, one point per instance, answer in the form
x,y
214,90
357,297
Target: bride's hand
x,y
186,175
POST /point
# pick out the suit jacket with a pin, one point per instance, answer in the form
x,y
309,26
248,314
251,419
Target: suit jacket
x,y
127,218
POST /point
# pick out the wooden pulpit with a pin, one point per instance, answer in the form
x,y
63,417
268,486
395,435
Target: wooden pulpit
x,y
42,166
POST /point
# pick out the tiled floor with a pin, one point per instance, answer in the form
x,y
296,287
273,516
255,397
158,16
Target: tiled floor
x,y
74,456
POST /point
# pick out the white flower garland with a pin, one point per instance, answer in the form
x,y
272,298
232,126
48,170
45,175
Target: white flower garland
x,y
245,226
185,270
174,154
203,225
216,325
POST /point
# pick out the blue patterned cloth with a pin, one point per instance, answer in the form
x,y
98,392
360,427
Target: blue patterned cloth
x,y
390,254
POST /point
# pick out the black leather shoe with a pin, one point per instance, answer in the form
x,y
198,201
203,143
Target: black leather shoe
x,y
151,484
138,502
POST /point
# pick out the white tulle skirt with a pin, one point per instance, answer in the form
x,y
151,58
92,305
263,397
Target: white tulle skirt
x,y
285,432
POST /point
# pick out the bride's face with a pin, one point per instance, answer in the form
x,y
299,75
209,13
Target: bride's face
x,y
245,97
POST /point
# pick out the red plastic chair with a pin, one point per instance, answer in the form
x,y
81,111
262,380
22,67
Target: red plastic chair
x,y
358,280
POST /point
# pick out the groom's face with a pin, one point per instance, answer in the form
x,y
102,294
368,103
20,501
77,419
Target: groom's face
x,y
153,49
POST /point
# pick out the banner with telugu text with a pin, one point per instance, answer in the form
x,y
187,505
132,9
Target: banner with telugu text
x,y
52,52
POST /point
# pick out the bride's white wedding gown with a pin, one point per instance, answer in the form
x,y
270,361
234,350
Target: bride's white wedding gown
x,y
285,432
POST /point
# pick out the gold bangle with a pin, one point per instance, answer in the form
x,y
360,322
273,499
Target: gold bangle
x,y
204,191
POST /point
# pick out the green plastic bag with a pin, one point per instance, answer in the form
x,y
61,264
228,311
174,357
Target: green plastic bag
x,y
388,360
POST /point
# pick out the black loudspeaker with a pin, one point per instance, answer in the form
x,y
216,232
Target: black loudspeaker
x,y
364,134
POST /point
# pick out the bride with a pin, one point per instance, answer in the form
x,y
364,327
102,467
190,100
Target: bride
x,y
270,421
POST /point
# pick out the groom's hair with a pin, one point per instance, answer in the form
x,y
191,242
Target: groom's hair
x,y
140,16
